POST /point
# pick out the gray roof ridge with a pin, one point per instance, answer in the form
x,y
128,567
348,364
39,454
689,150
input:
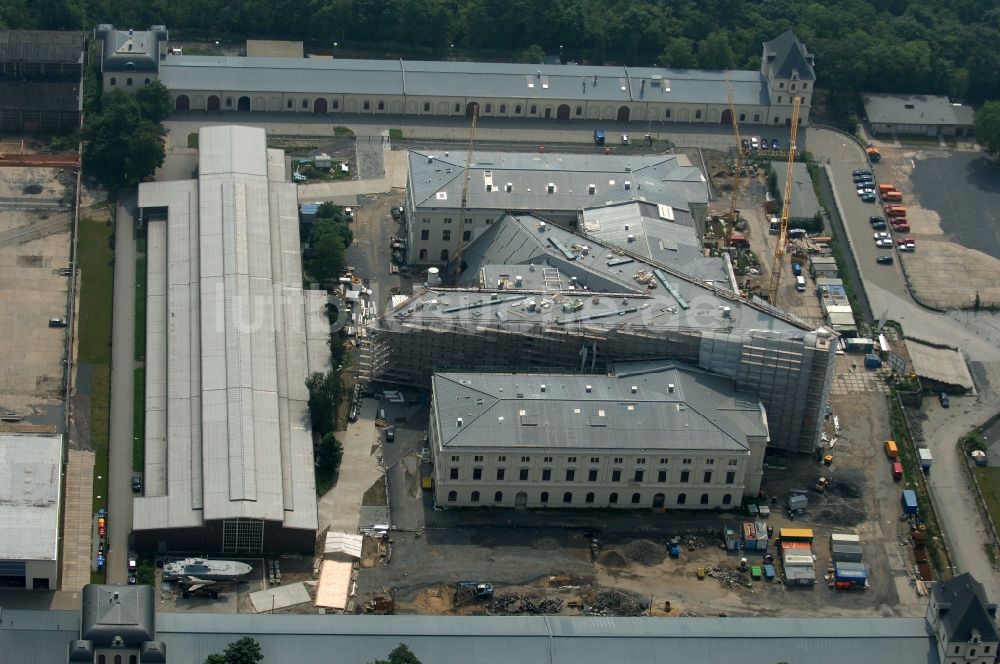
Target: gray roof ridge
x,y
470,388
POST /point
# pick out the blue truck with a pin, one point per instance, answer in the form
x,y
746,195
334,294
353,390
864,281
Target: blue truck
x,y
909,501
797,269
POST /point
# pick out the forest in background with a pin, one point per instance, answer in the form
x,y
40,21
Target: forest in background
x,y
914,46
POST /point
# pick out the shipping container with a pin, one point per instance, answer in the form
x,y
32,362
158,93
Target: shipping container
x,y
844,538
797,503
891,449
909,501
859,345
795,534
882,188
732,538
851,572
926,459
846,553
796,546
872,361
796,560
895,210
892,196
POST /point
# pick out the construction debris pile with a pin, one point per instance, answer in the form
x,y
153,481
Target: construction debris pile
x,y
646,552
646,278
732,579
524,604
616,602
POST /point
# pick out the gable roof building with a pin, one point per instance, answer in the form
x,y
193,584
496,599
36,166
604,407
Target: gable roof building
x,y
931,115
964,621
41,73
786,57
229,347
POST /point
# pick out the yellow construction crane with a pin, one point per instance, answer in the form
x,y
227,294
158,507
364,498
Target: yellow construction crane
x,y
733,216
465,192
779,250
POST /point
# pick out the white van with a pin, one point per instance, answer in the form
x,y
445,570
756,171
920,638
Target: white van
x,y
800,284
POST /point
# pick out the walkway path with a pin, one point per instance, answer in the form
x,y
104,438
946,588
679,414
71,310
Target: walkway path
x,y
78,521
122,378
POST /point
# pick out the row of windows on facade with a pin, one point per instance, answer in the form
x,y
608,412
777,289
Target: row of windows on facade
x,y
592,475
533,109
132,659
425,235
589,499
128,82
639,461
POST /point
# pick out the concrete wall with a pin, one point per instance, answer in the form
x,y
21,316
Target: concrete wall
x,y
41,569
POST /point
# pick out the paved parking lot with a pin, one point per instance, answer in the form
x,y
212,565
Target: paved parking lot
x,y
34,244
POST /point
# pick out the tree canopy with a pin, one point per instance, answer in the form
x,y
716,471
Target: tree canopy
x,y
988,126
244,651
401,654
122,146
154,101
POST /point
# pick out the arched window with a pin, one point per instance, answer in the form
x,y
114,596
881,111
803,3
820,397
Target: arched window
x,y
727,499
229,102
613,498
367,105
335,103
590,497
681,498
427,107
146,83
475,497
498,497
489,108
503,108
128,81
704,499
534,109
636,498
458,108
305,103
114,81
544,497
423,254
290,104
452,496
568,497
517,109
381,106
579,110
444,255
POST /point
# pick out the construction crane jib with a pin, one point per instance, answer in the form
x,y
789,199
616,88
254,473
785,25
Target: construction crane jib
x,y
734,214
779,250
465,192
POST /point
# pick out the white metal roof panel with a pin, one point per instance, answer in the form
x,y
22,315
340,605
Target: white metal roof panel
x,y
30,481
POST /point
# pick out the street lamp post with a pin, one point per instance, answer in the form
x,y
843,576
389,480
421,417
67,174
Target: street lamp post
x,y
334,49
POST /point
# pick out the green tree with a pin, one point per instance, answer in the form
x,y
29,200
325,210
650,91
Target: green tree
x,y
987,121
678,53
324,260
400,655
714,52
330,454
154,101
244,651
324,395
534,55
122,148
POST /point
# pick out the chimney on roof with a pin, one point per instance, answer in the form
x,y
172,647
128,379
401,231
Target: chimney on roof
x,y
430,159
631,238
628,185
589,389
635,388
551,187
459,422
541,227
595,80
518,281
591,189
543,387
670,388
538,74
509,187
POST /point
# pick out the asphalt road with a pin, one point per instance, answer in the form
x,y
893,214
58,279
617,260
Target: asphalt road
x,y
978,334
964,189
122,377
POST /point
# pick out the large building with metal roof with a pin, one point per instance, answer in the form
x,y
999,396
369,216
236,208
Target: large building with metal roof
x,y
231,338
533,294
58,637
646,435
553,185
324,85
41,80
30,500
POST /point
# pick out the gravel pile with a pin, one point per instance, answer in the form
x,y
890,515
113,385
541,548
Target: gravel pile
x,y
615,602
646,552
612,559
524,604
